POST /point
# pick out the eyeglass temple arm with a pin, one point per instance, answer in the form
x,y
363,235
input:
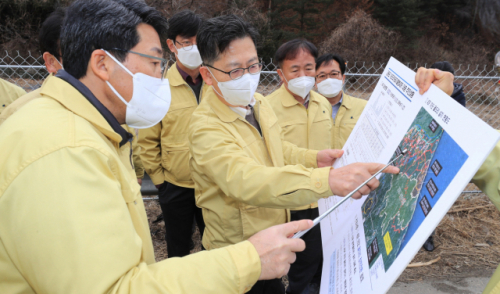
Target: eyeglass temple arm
x,y
141,54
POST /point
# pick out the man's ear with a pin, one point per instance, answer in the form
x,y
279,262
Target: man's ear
x,y
171,46
50,63
100,65
280,74
206,75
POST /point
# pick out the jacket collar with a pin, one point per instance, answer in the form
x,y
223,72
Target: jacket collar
x,y
68,91
346,100
223,111
174,76
288,100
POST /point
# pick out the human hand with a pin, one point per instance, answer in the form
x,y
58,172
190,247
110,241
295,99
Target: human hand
x,y
345,179
158,186
139,181
277,250
328,156
442,79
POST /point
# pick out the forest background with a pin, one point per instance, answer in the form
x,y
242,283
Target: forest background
x,y
416,31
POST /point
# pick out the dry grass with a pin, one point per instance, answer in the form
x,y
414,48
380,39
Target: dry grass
x,y
361,38
467,241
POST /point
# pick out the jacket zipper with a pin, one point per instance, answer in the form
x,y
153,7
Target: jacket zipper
x,y
198,100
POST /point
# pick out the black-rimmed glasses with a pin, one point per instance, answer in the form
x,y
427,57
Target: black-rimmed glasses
x,y
185,45
239,72
333,75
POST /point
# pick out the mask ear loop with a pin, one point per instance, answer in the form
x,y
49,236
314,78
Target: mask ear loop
x,y
62,67
283,75
119,63
216,81
113,88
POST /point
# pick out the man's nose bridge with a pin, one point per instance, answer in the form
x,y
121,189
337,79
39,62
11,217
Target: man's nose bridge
x,y
302,71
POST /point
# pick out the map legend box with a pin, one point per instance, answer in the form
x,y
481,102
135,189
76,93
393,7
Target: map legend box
x,y
426,206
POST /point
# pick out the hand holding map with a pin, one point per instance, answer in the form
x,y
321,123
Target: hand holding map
x,y
369,242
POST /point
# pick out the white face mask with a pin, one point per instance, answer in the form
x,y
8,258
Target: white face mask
x,y
330,87
300,86
239,92
150,99
189,58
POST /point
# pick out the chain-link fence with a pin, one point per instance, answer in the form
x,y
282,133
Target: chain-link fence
x,y
481,83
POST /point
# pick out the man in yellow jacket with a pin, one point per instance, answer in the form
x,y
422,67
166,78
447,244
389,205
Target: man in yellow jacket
x,y
305,118
245,174
346,110
61,164
165,147
49,45
487,178
135,149
9,93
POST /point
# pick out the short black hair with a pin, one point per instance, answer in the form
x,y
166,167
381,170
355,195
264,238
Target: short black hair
x,y
290,49
185,24
94,24
444,66
50,32
217,33
327,58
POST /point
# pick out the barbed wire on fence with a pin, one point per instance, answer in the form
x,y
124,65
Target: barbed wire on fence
x,y
480,83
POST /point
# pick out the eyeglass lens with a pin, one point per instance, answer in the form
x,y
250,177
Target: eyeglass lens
x,y
239,72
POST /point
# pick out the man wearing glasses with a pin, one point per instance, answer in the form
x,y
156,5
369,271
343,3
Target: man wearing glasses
x,y
62,165
164,147
306,120
346,110
245,174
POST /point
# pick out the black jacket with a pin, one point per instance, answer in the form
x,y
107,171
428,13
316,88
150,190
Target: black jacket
x,y
458,94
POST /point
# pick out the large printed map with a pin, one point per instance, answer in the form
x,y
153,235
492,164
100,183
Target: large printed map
x,y
388,210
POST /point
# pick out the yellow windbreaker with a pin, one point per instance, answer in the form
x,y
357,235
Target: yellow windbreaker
x,y
349,112
487,179
307,128
72,219
17,104
136,150
23,100
9,93
20,102
165,147
244,181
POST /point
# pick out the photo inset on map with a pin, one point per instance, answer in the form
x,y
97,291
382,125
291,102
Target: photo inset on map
x,y
388,211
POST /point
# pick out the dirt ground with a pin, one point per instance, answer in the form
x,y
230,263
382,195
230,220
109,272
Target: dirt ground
x,y
467,241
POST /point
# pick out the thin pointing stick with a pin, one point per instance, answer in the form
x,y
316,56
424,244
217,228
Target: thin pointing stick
x,y
321,217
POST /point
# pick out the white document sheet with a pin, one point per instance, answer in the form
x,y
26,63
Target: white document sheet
x,y
367,243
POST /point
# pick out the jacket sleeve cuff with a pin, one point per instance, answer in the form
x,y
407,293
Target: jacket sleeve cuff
x,y
312,158
247,263
320,181
158,177
139,172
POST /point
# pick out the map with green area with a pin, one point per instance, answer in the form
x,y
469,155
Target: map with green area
x,y
388,210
